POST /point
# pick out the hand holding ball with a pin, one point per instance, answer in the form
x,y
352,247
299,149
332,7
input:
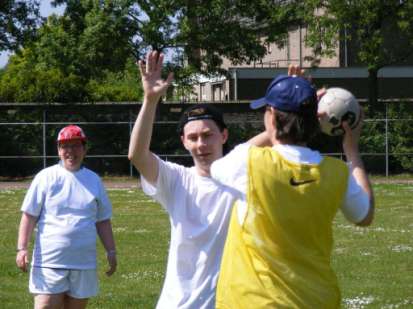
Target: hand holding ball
x,y
335,106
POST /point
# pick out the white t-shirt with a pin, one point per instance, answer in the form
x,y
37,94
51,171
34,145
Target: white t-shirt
x,y
199,209
68,205
232,170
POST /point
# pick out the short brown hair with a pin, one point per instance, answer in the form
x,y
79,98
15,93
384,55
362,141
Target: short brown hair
x,y
297,128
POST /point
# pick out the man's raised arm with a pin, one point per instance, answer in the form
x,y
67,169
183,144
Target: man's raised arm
x,y
154,87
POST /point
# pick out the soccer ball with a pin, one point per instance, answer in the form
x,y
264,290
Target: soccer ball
x,y
338,105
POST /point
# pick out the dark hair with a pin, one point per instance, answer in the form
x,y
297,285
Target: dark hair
x,y
298,128
83,143
199,112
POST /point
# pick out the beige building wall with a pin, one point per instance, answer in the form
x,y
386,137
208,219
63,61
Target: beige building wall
x,y
202,92
294,51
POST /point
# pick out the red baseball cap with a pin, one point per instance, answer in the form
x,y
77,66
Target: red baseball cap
x,y
71,132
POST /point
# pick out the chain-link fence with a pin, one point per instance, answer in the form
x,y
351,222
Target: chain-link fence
x,y
28,146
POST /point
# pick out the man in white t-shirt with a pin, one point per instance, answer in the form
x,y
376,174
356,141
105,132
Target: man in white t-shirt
x,y
69,205
198,206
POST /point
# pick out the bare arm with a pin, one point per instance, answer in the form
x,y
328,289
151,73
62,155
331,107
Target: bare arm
x,y
104,230
351,150
260,140
154,87
27,224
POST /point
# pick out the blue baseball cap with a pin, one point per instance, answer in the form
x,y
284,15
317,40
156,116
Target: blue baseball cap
x,y
287,93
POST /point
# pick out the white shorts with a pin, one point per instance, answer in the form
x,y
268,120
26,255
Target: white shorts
x,y
75,283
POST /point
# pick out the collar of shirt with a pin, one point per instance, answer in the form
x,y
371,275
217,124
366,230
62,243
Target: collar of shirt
x,y
298,154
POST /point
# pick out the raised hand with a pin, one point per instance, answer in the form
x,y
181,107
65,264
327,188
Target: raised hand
x,y
296,70
153,85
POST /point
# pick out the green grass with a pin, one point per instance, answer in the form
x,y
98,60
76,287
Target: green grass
x,y
141,230
374,265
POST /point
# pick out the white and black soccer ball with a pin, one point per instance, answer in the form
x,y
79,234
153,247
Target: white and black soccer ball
x,y
335,106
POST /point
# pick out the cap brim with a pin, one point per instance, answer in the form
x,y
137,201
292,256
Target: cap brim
x,y
77,138
258,103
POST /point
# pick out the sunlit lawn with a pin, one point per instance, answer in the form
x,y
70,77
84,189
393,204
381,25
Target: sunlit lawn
x,y
374,265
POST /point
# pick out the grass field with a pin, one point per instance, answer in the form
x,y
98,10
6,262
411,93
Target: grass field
x,y
374,265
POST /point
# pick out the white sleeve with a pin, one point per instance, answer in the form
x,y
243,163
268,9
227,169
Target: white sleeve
x,y
356,204
104,204
163,190
35,196
231,170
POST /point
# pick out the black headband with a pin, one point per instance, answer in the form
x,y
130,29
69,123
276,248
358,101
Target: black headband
x,y
201,112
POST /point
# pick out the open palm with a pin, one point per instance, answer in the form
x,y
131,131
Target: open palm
x,y
153,84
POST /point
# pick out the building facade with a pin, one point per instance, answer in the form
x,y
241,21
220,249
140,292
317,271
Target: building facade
x,y
250,80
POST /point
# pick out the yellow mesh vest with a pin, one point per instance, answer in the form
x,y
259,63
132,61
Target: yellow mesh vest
x,y
280,256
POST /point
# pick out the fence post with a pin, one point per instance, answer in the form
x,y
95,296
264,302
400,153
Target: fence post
x,y
387,143
235,85
44,138
130,131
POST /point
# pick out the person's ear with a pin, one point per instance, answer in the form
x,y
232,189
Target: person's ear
x,y
183,141
273,113
224,135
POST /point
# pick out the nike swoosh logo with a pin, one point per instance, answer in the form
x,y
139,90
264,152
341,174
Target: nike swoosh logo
x,y
294,182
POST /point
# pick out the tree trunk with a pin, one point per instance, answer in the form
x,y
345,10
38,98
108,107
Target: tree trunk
x,y
373,88
192,49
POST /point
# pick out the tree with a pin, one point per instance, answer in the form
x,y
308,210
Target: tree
x,y
90,37
381,32
25,80
120,86
18,22
201,31
94,39
73,56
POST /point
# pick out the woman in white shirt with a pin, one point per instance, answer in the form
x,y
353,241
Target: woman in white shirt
x,y
69,205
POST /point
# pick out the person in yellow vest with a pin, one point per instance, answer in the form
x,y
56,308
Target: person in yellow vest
x,y
278,248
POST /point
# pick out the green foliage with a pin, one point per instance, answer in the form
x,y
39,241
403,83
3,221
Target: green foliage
x,y
236,30
380,32
372,24
24,80
117,86
18,139
18,22
88,47
400,133
113,138
74,55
